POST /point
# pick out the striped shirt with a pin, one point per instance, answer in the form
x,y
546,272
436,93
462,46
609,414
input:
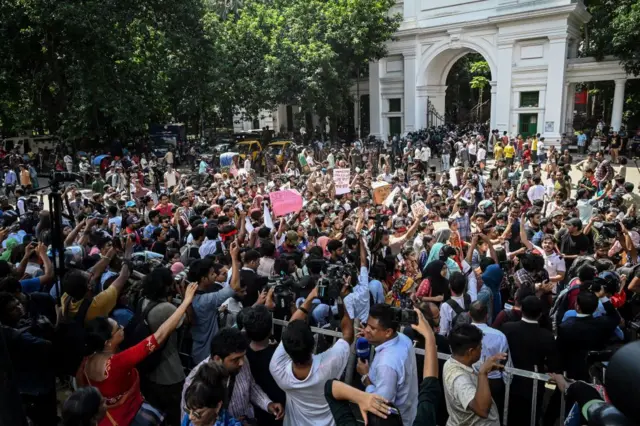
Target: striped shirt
x,y
245,391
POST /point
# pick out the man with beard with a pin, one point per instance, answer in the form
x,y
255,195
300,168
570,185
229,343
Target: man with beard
x,y
229,348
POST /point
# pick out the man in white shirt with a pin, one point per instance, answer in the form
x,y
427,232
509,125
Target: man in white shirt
x,y
247,163
68,161
170,178
494,342
458,284
482,154
386,176
537,190
302,375
540,150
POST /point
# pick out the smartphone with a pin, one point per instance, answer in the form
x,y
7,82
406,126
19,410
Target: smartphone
x,y
405,316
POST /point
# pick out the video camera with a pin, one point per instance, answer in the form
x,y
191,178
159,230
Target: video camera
x,y
330,285
283,294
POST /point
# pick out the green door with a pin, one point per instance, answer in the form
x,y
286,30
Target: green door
x,y
528,124
395,126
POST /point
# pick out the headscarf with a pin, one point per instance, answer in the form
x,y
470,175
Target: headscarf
x,y
322,242
176,268
492,278
434,254
402,290
439,284
6,254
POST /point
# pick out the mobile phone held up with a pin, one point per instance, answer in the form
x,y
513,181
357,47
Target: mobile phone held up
x,y
405,316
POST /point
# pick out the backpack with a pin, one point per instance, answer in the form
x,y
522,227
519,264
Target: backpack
x,y
461,314
70,338
561,305
139,329
185,254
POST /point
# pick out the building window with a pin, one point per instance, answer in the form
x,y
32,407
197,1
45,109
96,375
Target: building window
x,y
529,99
395,105
395,126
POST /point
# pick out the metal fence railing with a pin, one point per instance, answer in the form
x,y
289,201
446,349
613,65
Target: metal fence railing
x,y
509,371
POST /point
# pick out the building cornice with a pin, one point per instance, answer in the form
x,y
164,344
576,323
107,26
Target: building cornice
x,y
574,8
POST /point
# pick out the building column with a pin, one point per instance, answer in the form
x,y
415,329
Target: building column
x,y
356,115
503,94
375,102
570,100
618,105
494,104
554,107
409,91
421,107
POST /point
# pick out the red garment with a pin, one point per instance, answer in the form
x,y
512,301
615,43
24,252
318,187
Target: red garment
x,y
619,299
424,290
164,210
121,387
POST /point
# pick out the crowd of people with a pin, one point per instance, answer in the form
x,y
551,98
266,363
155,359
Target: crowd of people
x,y
453,240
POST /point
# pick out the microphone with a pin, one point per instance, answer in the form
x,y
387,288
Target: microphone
x,y
363,349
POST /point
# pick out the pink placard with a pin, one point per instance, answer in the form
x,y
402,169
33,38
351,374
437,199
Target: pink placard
x,y
285,202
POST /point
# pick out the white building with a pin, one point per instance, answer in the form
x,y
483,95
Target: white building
x,y
531,48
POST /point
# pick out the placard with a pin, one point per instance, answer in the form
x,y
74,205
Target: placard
x,y
381,191
418,209
440,225
341,179
389,200
284,202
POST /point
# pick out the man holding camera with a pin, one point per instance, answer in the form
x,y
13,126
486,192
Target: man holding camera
x,y
392,374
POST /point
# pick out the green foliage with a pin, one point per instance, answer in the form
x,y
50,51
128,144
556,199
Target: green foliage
x,y
105,69
614,29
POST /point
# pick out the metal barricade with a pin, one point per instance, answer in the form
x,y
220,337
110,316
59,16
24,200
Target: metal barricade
x,y
510,371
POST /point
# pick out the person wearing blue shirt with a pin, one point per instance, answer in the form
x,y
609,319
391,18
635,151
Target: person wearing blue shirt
x,y
202,167
393,373
154,218
30,285
206,302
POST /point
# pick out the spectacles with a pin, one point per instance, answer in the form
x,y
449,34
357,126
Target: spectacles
x,y
193,413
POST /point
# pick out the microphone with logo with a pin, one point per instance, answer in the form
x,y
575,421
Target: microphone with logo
x,y
363,349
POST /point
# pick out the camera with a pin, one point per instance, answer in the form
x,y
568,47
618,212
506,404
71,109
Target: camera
x,y
611,229
283,296
404,316
330,284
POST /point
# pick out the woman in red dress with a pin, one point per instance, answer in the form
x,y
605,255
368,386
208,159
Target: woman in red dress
x,y
114,373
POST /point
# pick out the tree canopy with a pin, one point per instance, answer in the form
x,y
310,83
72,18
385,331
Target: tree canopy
x,y
104,69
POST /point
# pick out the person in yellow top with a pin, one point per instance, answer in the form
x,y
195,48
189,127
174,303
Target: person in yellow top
x,y
534,150
498,153
77,290
509,153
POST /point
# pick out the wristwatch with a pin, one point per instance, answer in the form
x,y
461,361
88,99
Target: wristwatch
x,y
364,378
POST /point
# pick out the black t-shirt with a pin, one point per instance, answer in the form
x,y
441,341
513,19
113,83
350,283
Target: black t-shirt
x,y
259,364
573,245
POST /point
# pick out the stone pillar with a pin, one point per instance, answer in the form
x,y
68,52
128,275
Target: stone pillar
x,y
554,107
494,104
421,107
375,101
356,114
618,105
503,95
569,102
409,91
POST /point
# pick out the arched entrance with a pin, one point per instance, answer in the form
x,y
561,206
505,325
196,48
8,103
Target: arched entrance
x,y
435,66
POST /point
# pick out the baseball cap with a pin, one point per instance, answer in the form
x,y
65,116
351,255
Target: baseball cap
x,y
130,204
132,219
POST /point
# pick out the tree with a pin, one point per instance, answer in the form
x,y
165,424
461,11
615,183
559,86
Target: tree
x,y
614,29
316,46
479,70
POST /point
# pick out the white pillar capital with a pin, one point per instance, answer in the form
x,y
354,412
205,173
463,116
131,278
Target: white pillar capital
x,y
620,81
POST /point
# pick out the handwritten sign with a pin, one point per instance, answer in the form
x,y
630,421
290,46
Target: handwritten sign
x,y
381,191
285,202
440,225
341,179
419,209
